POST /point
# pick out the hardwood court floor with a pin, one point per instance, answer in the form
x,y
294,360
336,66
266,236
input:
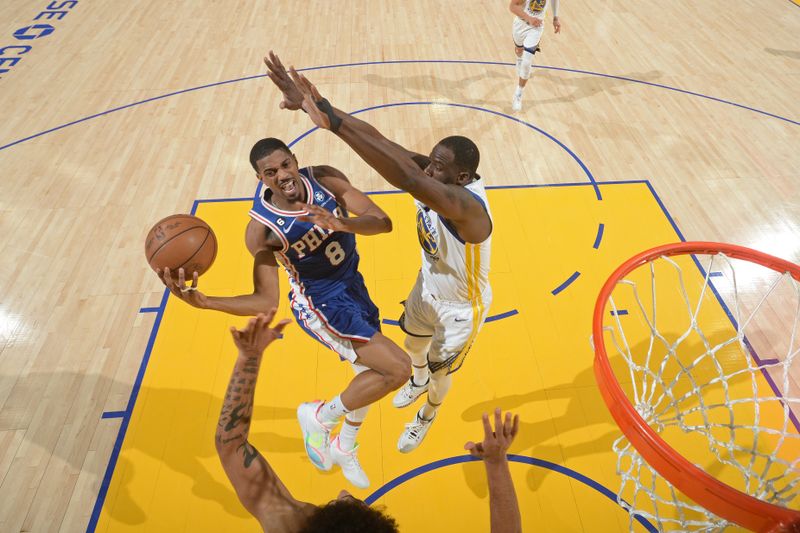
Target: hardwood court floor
x,y
76,201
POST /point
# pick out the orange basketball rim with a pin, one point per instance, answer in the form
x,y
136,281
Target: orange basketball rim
x,y
719,498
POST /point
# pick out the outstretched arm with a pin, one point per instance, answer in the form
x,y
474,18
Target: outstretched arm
x,y
257,485
400,167
503,505
265,282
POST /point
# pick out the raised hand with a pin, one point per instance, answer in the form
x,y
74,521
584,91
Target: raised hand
x,y
179,289
495,443
310,98
254,338
324,218
292,97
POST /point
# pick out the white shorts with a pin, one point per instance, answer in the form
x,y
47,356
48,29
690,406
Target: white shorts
x,y
526,35
451,326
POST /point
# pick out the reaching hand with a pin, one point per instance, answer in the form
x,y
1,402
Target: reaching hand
x,y
556,25
310,98
495,443
292,97
178,287
323,218
258,334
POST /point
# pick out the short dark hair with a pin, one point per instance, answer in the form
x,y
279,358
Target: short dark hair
x,y
349,516
465,153
264,147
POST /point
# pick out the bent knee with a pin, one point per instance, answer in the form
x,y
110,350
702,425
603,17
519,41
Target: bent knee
x,y
399,372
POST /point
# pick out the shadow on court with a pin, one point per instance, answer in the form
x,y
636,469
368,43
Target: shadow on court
x,y
190,461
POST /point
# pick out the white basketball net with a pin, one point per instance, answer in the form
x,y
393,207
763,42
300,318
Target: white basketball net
x,y
706,385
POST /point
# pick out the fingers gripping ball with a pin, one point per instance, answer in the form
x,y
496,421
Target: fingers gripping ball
x,y
181,241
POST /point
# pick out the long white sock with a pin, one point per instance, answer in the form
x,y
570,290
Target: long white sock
x,y
352,423
332,411
518,92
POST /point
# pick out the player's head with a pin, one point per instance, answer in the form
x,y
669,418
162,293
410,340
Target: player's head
x,y
347,514
454,160
276,167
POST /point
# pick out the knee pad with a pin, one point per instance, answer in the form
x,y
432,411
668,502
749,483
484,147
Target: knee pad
x,y
525,65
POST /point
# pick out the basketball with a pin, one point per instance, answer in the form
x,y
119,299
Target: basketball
x,y
181,241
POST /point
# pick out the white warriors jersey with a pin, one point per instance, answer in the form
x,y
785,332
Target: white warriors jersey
x,y
454,270
536,8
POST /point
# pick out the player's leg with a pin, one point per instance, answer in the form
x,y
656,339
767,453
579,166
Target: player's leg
x,y
518,31
417,323
349,325
389,367
530,45
343,447
453,337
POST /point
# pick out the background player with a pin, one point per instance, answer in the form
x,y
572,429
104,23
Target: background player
x,y
451,297
328,296
527,32
264,495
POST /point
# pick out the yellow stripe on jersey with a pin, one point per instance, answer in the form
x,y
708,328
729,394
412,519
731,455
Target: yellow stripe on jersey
x,y
473,256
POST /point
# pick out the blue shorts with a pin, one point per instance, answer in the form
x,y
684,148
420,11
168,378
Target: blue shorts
x,y
338,321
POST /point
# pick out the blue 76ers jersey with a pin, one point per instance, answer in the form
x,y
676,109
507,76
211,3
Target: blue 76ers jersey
x,y
320,263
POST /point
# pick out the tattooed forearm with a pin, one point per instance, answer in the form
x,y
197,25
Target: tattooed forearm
x,y
249,452
233,425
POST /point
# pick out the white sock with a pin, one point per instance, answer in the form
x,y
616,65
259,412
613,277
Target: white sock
x,y
518,92
421,375
428,411
347,436
332,411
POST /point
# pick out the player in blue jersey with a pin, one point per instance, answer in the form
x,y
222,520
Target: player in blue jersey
x,y
328,296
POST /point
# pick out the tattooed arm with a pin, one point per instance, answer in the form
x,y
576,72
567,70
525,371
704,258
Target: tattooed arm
x,y
259,489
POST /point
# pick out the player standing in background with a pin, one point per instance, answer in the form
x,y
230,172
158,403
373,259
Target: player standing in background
x,y
527,32
328,296
451,297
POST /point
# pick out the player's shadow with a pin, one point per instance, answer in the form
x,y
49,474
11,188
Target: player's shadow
x,y
792,54
569,434
190,459
498,86
578,86
479,89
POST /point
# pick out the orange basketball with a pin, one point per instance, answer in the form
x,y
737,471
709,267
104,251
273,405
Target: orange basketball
x,y
181,241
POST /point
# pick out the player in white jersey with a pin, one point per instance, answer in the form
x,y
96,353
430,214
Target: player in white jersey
x,y
451,297
527,32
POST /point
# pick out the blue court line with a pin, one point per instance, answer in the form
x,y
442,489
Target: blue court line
x,y
114,414
770,361
724,306
566,284
500,316
599,237
619,312
395,62
149,309
533,461
716,274
123,429
563,146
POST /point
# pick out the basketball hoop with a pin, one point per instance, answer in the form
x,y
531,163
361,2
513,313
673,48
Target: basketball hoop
x,y
703,380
